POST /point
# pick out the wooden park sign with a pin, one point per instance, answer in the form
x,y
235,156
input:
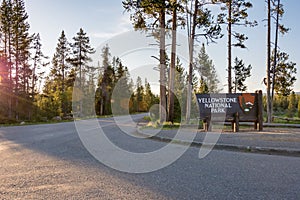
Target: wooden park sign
x,y
234,108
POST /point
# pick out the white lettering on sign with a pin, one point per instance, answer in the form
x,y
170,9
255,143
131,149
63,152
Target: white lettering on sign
x,y
217,105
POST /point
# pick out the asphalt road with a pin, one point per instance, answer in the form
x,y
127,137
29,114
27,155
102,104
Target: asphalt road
x,y
50,162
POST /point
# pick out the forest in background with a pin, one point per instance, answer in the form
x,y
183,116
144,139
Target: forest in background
x,y
36,87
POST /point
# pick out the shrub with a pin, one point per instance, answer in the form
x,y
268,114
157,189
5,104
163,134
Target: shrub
x,y
299,108
6,120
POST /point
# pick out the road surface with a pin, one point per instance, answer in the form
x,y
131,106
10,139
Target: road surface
x,y
50,162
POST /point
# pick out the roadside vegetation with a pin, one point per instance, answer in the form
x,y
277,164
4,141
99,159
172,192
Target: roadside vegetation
x,y
38,88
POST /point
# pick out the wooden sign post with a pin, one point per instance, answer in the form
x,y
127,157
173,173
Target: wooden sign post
x,y
234,108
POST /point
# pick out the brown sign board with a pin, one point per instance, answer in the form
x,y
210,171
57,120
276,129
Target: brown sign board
x,y
246,106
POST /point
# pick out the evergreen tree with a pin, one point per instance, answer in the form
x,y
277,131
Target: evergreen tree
x,y
207,71
80,58
142,99
38,63
6,34
200,22
4,88
277,13
122,90
50,101
89,94
6,37
235,15
105,84
20,41
292,105
284,75
21,58
152,14
149,97
179,91
284,103
6,55
21,45
203,89
60,70
299,108
139,95
81,51
120,70
241,73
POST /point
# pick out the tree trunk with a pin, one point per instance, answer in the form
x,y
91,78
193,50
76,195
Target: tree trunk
x,y
191,59
63,88
162,59
269,100
275,55
33,78
10,85
80,81
172,67
17,79
101,106
229,47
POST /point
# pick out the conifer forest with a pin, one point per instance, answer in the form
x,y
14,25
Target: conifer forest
x,y
35,87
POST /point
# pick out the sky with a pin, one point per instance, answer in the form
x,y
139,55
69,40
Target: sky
x,y
104,21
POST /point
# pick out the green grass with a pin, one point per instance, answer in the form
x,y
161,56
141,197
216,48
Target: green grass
x,y
282,121
27,123
164,126
169,125
147,118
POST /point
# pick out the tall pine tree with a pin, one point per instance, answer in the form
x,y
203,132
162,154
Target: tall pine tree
x,y
241,73
105,84
80,60
60,69
207,71
122,91
285,74
235,15
39,62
